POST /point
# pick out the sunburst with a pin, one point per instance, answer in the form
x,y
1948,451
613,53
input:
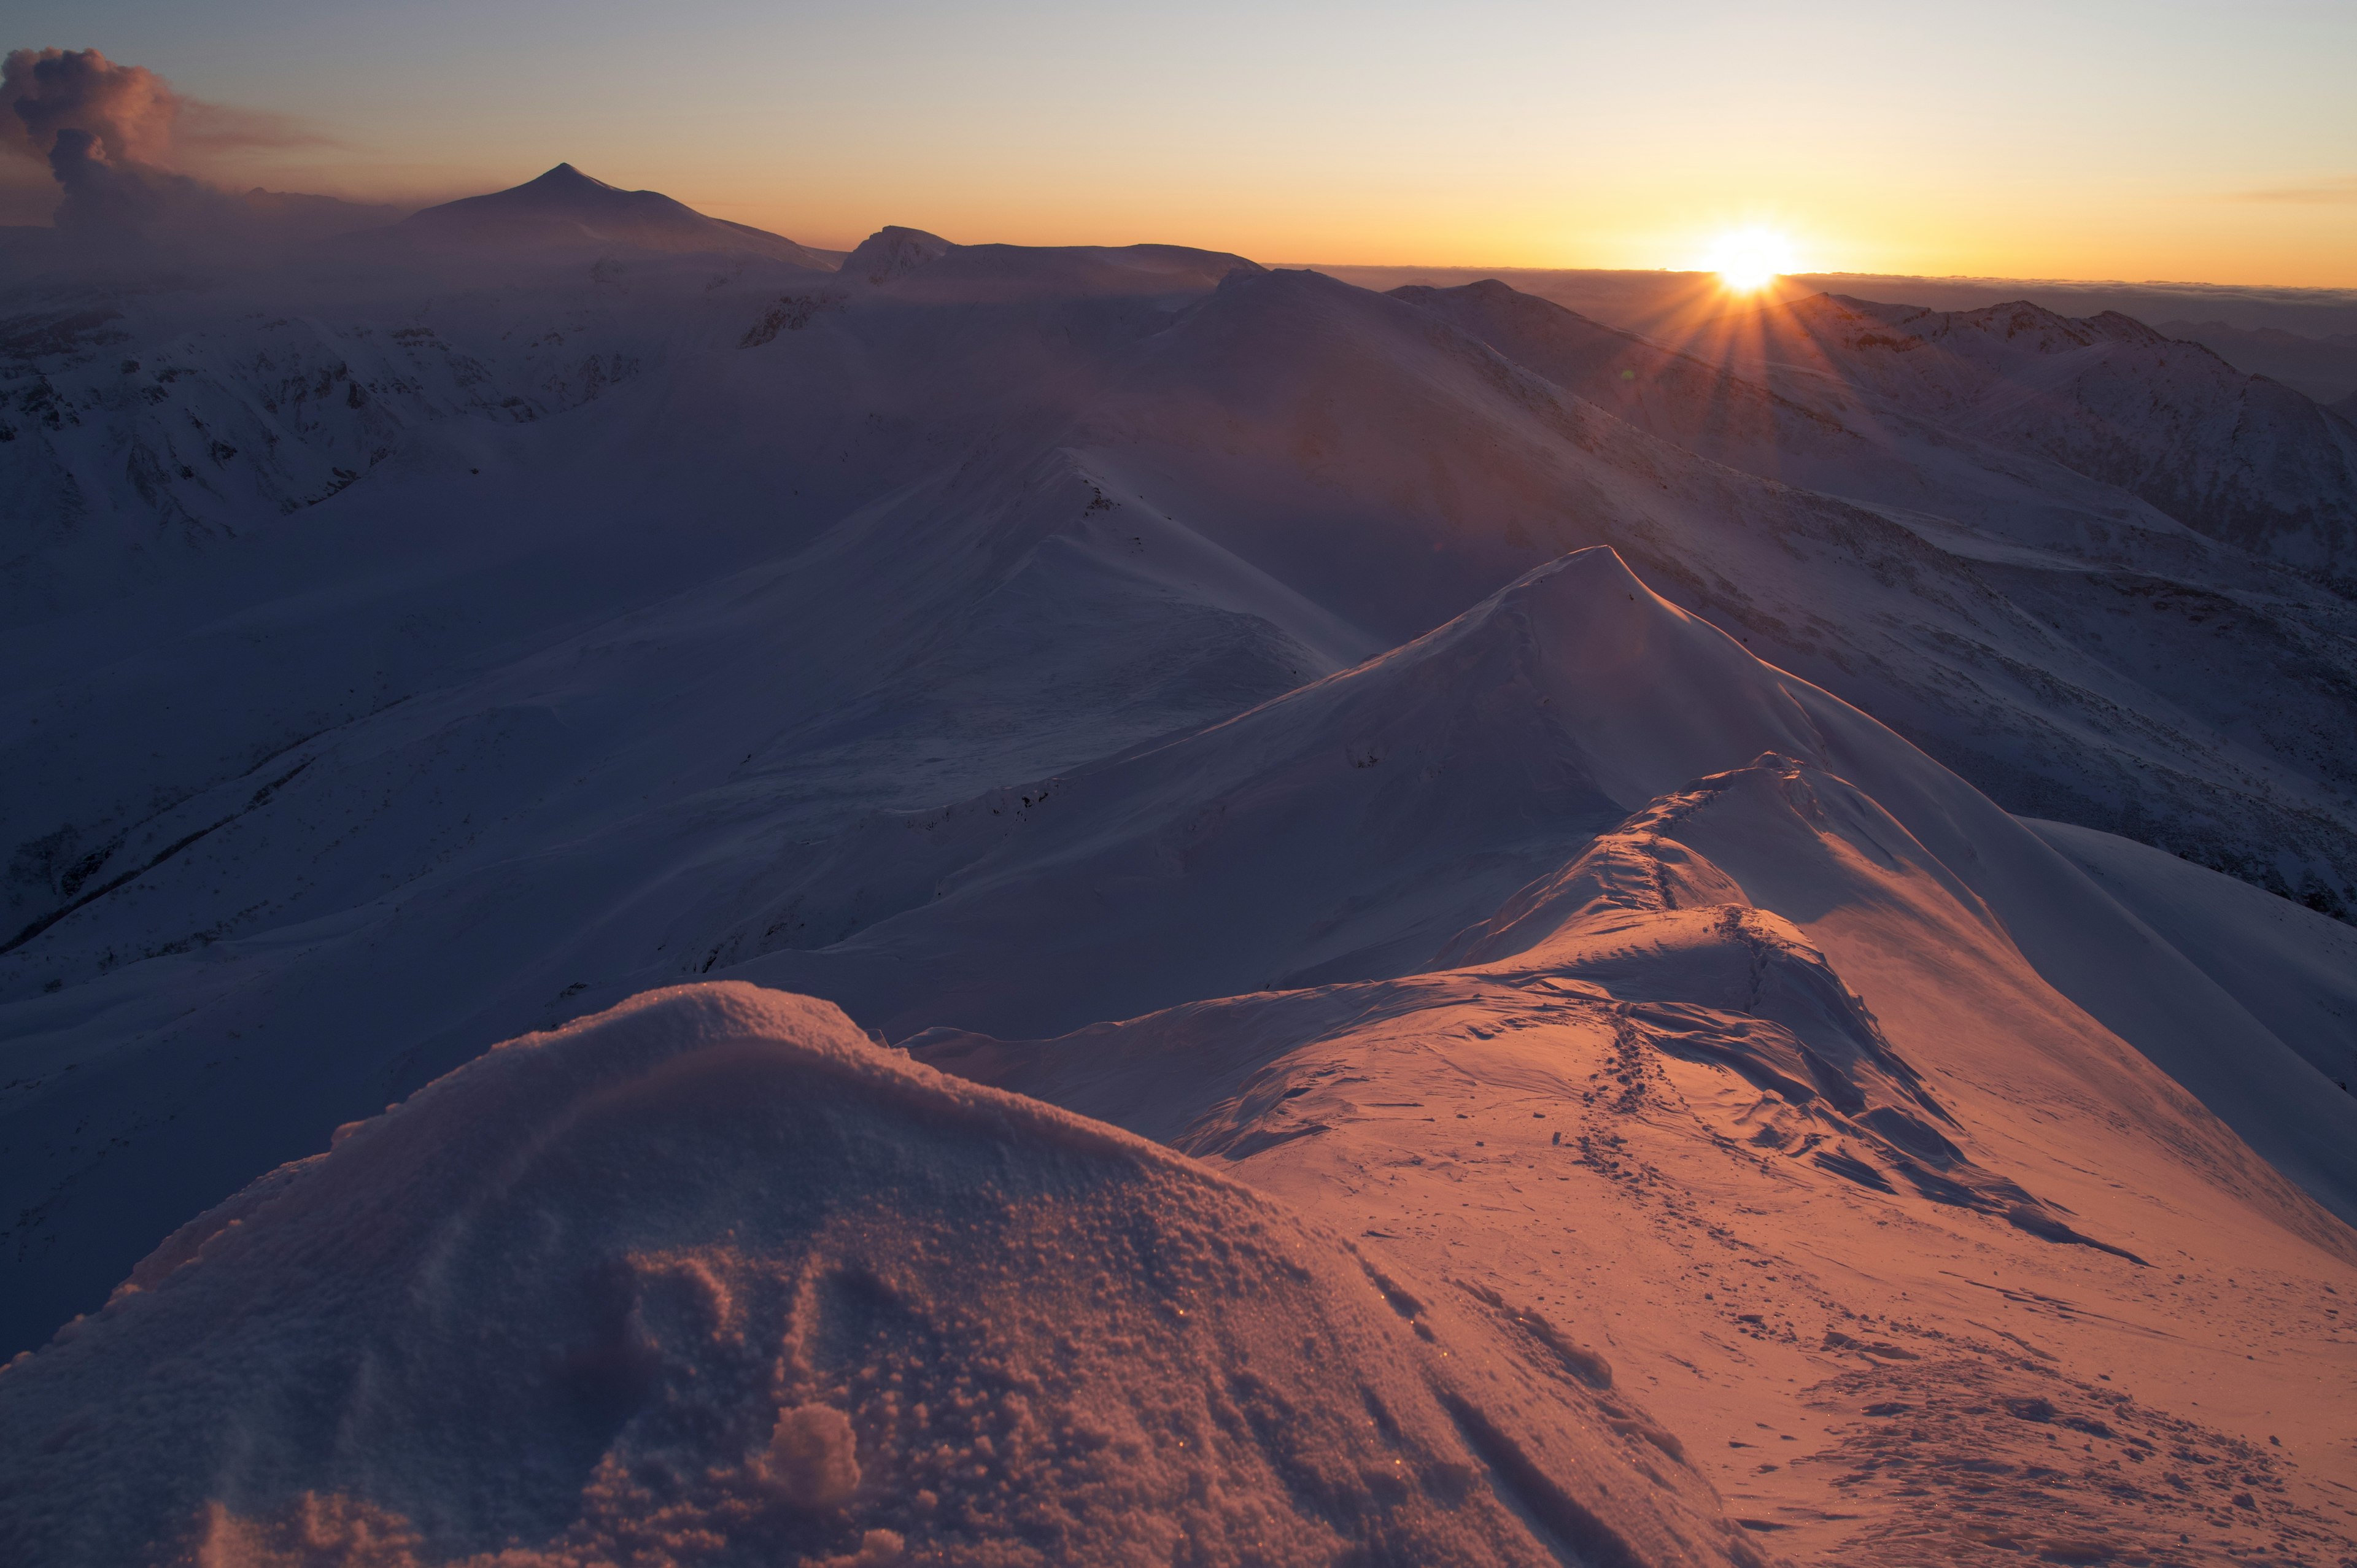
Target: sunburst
x,y
1749,260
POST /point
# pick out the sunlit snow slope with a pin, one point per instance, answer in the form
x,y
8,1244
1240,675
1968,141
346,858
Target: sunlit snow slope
x,y
713,1278
1794,1078
1354,739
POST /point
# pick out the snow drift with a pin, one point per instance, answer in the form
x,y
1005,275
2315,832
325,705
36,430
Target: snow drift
x,y
1209,674
713,1277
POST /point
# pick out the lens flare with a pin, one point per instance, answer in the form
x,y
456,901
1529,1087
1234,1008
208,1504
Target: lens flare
x,y
1748,260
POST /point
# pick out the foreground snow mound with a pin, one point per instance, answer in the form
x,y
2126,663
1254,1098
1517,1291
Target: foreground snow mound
x,y
712,1277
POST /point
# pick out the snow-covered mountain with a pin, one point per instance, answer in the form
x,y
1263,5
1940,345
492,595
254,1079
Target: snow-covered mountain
x,y
2237,456
1376,824
1251,710
568,208
2130,611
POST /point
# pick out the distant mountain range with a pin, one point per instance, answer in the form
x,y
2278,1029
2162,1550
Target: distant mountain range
x,y
2305,338
2323,368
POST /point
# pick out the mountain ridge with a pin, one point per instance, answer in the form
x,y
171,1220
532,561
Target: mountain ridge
x,y
1532,800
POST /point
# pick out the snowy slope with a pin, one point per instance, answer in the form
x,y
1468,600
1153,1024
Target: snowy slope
x,y
2239,457
1759,1085
558,710
2291,968
1006,642
713,1278
1371,825
142,426
1875,1361
2157,620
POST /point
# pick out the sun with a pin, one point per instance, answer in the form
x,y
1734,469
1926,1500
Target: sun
x,y
1749,260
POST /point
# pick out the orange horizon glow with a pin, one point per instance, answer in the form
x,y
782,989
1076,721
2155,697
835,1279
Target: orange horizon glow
x,y
2216,239
2183,151
2234,243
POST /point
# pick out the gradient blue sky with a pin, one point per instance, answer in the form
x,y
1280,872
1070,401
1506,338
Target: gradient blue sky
x,y
2168,140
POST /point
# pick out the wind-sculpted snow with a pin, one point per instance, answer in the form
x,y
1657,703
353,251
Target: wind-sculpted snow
x,y
1467,751
1636,1088
713,1278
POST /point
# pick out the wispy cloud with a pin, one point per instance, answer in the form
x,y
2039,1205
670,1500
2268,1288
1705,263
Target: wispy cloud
x,y
2317,191
220,127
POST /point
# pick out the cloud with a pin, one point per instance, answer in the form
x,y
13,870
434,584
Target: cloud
x,y
128,110
111,135
131,114
103,196
2321,191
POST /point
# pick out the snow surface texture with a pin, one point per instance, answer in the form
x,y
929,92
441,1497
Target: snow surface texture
x,y
713,1278
1993,1278
1393,708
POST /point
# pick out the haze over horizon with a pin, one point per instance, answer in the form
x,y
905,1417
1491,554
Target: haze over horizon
x,y
2099,141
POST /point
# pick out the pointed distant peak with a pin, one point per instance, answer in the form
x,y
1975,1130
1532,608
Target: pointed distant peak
x,y
564,176
568,208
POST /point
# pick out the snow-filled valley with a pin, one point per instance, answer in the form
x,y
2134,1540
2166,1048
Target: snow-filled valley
x,y
1736,948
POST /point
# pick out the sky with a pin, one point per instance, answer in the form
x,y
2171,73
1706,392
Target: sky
x,y
2159,140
